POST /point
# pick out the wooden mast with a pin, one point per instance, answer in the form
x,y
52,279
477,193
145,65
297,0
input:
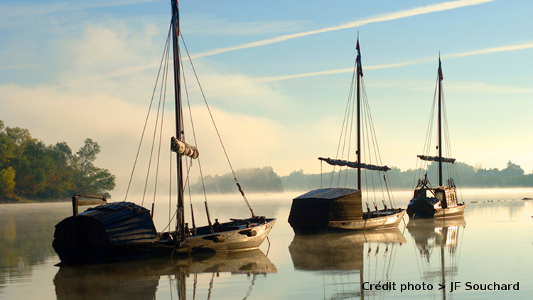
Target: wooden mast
x,y
440,122
180,216
443,240
359,74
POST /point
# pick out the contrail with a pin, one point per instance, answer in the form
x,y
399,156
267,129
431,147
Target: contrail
x,y
402,64
492,50
421,10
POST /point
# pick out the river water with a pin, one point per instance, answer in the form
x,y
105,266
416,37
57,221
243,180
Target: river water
x,y
485,255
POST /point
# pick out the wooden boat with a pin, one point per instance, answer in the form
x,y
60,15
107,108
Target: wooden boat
x,y
439,201
126,231
339,208
119,230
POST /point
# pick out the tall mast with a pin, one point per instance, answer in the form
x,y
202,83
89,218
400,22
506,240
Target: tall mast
x,y
440,123
444,235
180,217
359,74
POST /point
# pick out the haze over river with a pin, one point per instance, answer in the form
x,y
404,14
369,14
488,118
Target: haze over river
x,y
485,255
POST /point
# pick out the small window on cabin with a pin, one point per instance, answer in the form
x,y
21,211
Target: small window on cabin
x,y
452,199
420,193
439,195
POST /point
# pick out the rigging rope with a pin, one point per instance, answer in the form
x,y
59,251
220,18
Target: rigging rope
x,y
195,144
349,135
377,152
162,94
366,137
452,168
369,150
427,141
147,116
216,129
345,120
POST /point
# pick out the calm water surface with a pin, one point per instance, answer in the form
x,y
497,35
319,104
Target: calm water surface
x,y
490,247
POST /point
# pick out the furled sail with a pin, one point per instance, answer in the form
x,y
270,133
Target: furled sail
x,y
183,148
436,158
353,164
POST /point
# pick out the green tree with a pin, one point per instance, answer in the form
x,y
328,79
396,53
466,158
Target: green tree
x,y
59,182
87,178
30,169
7,183
512,170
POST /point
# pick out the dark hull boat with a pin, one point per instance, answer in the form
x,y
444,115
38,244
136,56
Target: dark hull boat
x,y
422,208
123,230
113,231
338,209
439,201
435,202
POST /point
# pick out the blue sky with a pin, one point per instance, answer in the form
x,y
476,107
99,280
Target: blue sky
x,y
276,74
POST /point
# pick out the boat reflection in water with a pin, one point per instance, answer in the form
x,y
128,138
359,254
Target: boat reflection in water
x,y
438,236
141,279
342,258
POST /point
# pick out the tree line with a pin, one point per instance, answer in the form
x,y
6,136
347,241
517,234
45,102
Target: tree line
x,y
463,174
32,170
266,180
252,180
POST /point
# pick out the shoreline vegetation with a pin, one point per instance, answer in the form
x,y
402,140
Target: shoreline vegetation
x,y
31,171
266,180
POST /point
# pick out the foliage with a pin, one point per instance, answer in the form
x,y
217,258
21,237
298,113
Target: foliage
x,y
30,169
463,174
89,179
7,182
266,180
251,180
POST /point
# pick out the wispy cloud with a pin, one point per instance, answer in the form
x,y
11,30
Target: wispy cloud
x,y
14,10
344,70
522,46
421,10
203,25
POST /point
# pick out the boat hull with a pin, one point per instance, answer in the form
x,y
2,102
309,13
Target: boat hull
x,y
238,239
380,222
424,210
125,231
337,209
450,212
114,231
